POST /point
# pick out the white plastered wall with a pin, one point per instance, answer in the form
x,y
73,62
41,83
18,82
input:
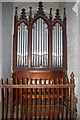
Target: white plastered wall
x,y
7,22
0,44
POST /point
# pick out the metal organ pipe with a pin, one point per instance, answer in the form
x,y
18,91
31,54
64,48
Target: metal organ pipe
x,y
37,47
34,38
53,46
59,40
42,44
46,46
32,45
61,47
41,40
23,45
36,59
18,47
58,46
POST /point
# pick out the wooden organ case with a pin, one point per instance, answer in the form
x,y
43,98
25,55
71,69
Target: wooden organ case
x,y
40,64
40,44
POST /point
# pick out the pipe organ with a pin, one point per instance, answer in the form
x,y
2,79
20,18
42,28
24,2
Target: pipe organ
x,y
40,84
39,88
40,42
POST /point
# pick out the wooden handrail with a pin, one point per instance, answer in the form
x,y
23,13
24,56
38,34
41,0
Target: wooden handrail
x,y
38,86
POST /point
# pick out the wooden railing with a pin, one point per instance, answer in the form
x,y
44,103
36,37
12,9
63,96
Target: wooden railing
x,y
38,98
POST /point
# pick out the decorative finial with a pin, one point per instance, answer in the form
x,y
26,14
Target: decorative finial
x,y
72,78
40,10
57,14
30,11
64,13
40,7
66,81
23,14
72,75
50,13
11,75
16,11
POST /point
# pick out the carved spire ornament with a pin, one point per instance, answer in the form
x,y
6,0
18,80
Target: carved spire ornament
x,y
23,14
40,8
57,14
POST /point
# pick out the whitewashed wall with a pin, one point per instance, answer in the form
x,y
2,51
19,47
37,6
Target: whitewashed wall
x,y
0,44
79,60
0,40
7,22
